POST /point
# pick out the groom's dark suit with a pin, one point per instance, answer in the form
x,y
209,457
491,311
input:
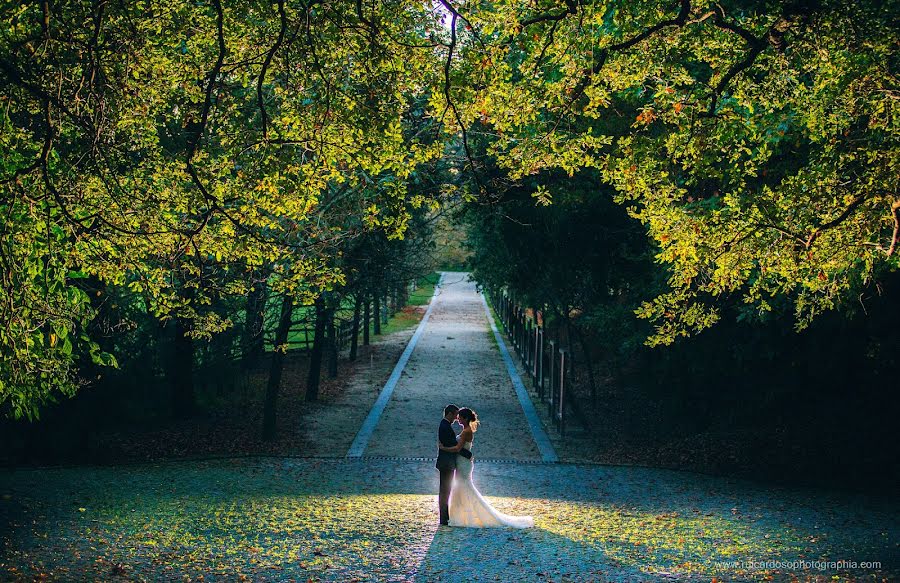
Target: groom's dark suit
x,y
446,465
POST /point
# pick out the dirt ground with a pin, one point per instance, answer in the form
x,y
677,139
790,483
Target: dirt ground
x,y
375,520
327,427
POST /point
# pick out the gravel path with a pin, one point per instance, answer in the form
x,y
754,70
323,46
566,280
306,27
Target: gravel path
x,y
455,361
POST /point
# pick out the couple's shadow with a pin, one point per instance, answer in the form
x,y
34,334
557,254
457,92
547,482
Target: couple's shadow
x,y
504,554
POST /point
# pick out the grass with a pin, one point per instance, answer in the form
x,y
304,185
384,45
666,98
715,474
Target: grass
x,y
402,320
409,317
497,322
424,289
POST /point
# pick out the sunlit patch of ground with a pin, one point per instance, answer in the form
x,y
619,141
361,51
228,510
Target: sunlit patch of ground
x,y
374,520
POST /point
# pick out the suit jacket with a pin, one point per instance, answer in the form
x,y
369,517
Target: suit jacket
x,y
446,460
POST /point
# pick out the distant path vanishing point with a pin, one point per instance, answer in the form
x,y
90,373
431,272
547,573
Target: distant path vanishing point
x,y
453,358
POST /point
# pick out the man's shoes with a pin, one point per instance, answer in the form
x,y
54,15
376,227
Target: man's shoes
x,y
444,524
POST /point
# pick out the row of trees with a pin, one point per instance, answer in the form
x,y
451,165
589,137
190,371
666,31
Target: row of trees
x,y
756,142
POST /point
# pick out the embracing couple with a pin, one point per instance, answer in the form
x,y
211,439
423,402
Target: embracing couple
x,y
460,503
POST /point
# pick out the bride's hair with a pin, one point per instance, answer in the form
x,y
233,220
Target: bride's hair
x,y
470,417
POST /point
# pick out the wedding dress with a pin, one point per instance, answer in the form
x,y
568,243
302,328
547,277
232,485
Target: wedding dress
x,y
469,508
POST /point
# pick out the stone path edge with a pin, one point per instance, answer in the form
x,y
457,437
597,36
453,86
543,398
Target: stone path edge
x,y
361,441
548,453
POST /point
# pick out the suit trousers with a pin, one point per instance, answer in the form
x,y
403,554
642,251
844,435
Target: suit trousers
x,y
444,497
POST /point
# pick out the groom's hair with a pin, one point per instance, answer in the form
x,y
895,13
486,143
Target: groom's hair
x,y
449,409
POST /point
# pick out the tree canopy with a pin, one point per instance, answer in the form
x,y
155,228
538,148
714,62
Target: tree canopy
x,y
173,149
756,141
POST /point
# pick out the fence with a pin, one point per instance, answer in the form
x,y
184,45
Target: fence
x,y
549,364
390,302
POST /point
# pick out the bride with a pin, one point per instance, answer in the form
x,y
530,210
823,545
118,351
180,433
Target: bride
x,y
467,506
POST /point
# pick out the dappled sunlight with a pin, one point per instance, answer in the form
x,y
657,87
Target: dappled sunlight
x,y
377,520
670,542
461,554
338,536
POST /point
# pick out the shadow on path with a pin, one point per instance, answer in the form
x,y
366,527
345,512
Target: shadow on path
x,y
464,554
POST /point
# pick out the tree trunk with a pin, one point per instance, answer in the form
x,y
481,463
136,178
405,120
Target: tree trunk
x,y
331,341
180,371
366,317
315,355
588,361
275,368
354,333
377,309
254,324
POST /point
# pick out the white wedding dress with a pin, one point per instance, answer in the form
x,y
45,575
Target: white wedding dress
x,y
469,508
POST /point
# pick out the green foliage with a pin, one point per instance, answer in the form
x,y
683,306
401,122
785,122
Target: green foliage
x,y
175,149
756,143
45,332
581,260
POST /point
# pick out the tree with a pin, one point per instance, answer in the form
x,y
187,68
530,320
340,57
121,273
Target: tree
x,y
165,147
755,141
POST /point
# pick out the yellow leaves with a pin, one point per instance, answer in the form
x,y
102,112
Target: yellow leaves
x,y
541,196
599,97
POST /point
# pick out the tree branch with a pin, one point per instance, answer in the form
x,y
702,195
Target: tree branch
x,y
571,8
213,78
895,212
262,74
595,68
835,221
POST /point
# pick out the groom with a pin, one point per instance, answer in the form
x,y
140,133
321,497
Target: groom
x,y
446,461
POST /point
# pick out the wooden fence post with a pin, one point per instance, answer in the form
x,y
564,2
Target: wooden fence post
x,y
354,333
529,345
521,334
523,324
332,343
376,312
551,359
505,314
562,391
367,303
537,355
515,327
512,326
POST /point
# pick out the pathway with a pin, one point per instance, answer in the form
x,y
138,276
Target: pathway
x,y
455,359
